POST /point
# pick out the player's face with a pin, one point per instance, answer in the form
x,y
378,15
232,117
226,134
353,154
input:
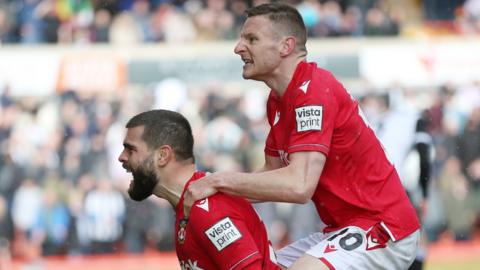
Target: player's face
x,y
259,48
135,158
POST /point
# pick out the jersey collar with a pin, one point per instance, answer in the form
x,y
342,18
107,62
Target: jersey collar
x,y
297,79
196,175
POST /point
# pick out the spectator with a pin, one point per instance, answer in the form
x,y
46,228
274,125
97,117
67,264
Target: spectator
x,y
215,21
4,25
457,200
125,31
49,21
6,226
78,232
332,18
52,224
469,149
378,24
6,235
105,210
142,16
101,25
138,225
26,208
311,12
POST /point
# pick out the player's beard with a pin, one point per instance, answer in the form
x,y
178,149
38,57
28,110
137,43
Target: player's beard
x,y
144,180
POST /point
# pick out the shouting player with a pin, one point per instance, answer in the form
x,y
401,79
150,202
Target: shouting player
x,y
319,148
222,231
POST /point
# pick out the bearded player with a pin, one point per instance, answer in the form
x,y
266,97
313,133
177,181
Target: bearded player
x,y
223,231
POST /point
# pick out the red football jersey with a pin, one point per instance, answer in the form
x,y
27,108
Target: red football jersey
x,y
223,232
359,185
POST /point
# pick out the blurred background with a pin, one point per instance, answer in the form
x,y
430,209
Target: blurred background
x,y
72,72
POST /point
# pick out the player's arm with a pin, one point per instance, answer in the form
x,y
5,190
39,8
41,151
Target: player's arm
x,y
294,183
271,163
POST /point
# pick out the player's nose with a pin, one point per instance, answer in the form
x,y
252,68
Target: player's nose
x,y
239,48
122,157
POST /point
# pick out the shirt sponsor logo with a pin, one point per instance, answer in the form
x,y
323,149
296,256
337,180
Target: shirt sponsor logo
x,y
309,118
223,233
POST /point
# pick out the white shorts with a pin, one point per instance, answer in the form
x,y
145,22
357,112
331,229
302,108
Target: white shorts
x,y
354,248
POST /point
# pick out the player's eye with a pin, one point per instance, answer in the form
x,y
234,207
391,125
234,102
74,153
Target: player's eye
x,y
128,149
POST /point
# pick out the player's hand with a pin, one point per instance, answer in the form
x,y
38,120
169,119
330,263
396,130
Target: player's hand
x,y
198,190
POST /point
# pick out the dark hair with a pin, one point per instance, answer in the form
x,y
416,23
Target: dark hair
x,y
165,127
285,16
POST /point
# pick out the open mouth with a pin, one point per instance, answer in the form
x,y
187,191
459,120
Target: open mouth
x,y
247,61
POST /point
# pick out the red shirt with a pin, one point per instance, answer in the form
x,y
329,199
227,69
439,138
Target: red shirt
x,y
359,185
223,232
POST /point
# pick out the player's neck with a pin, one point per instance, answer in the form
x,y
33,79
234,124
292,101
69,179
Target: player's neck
x,y
283,75
173,180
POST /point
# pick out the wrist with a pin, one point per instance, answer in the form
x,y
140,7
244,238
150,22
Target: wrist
x,y
213,181
218,182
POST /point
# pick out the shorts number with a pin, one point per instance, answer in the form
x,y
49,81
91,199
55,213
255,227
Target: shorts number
x,y
351,241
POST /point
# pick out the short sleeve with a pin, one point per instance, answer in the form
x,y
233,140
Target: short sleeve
x,y
271,148
313,116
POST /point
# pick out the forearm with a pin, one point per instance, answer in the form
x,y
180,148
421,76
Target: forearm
x,y
266,167
294,183
264,186
262,169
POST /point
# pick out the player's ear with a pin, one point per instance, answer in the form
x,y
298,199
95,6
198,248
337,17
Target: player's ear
x,y
288,45
163,155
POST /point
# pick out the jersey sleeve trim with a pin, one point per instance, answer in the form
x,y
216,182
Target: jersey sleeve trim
x,y
309,147
271,151
252,255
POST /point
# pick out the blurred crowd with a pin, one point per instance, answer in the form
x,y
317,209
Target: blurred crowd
x,y
451,118
176,21
62,190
